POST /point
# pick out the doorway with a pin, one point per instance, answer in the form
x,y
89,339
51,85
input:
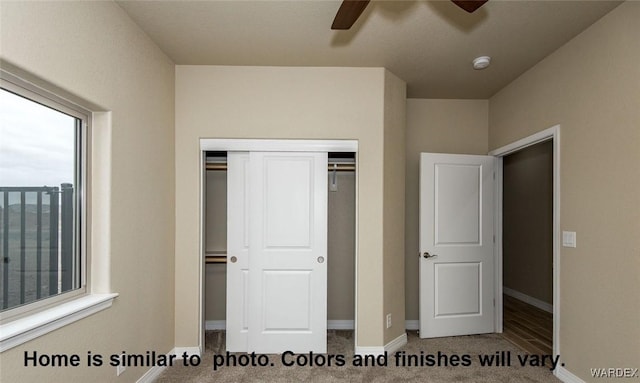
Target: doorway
x,y
528,247
553,136
213,247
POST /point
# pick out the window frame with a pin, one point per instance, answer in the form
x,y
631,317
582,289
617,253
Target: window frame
x,y
30,92
30,320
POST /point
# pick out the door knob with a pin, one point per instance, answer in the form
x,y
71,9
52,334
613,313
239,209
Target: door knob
x,y
427,255
233,259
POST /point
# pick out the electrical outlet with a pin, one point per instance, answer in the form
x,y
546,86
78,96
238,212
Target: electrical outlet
x,y
388,320
569,239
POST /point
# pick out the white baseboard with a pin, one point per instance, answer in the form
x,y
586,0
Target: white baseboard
x,y
332,324
215,325
390,347
412,324
528,299
340,324
152,374
396,344
566,376
179,351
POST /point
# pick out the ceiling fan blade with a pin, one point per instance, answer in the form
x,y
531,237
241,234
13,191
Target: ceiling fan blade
x,y
348,13
469,5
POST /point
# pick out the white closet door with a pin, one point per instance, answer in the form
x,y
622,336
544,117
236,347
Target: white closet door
x,y
237,323
288,252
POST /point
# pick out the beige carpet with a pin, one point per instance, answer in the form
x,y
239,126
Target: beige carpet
x,y
341,343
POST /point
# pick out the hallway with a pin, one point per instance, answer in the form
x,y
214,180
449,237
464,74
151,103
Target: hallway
x,y
527,326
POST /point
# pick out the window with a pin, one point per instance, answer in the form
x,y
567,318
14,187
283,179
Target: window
x,y
43,157
44,260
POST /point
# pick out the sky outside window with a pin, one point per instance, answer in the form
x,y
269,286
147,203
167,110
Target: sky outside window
x,y
37,143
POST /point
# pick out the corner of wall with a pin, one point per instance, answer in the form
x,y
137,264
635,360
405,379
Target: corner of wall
x,y
395,127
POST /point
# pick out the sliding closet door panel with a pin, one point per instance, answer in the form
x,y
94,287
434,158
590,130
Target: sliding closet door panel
x,y
288,252
288,209
296,286
237,323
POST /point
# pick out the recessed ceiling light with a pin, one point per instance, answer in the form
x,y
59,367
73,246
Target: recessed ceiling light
x,y
481,62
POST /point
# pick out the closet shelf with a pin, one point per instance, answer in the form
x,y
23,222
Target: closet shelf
x,y
338,167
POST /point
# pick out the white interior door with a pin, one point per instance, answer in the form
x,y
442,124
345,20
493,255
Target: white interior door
x,y
456,245
237,323
288,252
277,252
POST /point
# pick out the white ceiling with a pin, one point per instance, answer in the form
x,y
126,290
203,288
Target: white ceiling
x,y
429,44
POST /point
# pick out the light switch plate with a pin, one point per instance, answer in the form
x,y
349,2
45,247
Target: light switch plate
x,y
569,238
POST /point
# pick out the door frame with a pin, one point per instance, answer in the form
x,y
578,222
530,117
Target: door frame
x,y
552,133
265,145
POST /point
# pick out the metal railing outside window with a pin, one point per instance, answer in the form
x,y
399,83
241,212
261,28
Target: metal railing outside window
x,y
36,243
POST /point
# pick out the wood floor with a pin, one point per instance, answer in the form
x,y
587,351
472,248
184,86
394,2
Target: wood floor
x,y
527,326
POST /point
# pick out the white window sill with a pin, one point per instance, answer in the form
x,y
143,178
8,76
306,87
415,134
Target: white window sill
x,y
25,329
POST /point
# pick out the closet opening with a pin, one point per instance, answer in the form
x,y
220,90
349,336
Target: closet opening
x,y
341,244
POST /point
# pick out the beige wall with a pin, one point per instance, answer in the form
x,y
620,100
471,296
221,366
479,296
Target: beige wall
x,y
279,102
394,185
93,51
527,236
591,87
437,126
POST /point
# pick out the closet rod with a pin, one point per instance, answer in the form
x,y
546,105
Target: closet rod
x,y
215,259
216,256
330,167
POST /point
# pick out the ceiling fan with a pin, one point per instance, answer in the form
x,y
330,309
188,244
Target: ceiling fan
x,y
350,10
